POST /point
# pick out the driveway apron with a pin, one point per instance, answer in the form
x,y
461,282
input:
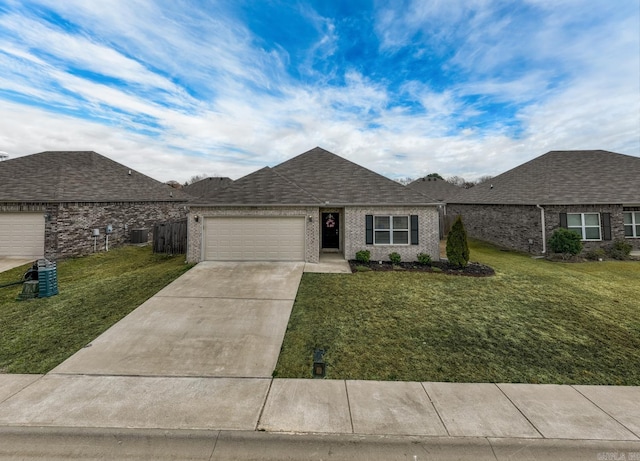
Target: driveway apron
x,y
9,262
220,319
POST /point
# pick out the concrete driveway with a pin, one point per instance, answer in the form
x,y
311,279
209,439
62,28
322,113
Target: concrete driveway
x,y
9,262
220,319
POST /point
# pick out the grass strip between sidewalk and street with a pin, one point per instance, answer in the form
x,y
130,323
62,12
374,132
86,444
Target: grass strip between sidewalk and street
x,y
94,293
535,321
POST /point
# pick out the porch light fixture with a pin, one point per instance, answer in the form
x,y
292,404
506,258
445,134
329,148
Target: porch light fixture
x,y
319,367
196,218
310,219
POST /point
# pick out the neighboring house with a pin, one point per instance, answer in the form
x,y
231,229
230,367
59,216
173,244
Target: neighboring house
x,y
595,193
207,186
316,202
51,202
440,190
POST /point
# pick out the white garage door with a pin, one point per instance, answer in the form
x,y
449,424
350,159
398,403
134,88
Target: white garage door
x,y
22,234
254,239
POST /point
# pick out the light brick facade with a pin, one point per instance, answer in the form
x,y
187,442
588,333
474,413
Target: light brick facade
x,y
428,233
352,229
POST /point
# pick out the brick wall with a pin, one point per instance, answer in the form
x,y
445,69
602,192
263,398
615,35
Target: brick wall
x,y
510,226
428,233
69,226
195,229
519,226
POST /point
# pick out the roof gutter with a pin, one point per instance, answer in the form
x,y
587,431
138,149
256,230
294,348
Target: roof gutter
x,y
544,230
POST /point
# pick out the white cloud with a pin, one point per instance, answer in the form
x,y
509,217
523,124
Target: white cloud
x,y
221,105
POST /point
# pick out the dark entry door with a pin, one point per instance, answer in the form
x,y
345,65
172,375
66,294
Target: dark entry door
x,y
330,230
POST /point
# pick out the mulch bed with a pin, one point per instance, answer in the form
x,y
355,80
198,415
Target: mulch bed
x,y
472,269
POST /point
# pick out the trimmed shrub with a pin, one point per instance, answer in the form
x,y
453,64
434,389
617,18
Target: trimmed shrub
x,y
363,256
457,246
620,249
596,254
424,259
395,258
565,242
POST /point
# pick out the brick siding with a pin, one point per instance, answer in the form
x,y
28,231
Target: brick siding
x,y
352,224
514,226
428,233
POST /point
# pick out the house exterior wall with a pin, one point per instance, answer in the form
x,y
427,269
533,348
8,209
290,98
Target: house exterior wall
x,y
69,226
355,233
195,228
519,227
510,226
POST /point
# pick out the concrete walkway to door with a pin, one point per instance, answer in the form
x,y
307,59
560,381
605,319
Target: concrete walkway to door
x,y
220,319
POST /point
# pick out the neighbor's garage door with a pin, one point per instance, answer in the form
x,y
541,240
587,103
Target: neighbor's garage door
x,y
254,239
22,234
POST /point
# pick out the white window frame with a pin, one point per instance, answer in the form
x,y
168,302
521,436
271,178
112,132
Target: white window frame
x,y
582,229
635,223
391,230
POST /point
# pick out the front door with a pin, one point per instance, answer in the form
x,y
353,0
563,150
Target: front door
x,y
330,230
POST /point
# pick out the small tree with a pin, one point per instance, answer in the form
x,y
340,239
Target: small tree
x,y
457,246
565,242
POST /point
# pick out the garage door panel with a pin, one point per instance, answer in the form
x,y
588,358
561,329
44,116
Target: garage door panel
x,y
22,234
255,239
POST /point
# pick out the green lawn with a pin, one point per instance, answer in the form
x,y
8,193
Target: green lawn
x,y
95,292
534,322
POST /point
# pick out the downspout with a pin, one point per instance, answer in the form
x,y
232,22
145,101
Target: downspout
x,y
544,230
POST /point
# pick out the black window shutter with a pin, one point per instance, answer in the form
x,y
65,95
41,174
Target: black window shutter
x,y
369,229
563,220
414,229
606,226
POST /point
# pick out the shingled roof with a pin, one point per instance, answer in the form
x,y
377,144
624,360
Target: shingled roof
x,y
78,176
316,178
264,187
437,188
562,178
207,187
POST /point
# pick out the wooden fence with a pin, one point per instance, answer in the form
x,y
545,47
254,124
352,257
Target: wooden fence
x,y
170,237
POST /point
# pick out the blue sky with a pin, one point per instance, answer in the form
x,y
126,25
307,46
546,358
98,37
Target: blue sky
x,y
177,88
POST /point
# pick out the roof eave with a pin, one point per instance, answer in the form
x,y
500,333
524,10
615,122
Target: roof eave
x,y
320,205
91,200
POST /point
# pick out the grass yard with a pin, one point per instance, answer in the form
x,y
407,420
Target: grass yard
x,y
534,322
95,292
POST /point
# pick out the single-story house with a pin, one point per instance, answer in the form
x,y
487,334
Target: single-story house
x,y
440,190
60,204
313,203
595,193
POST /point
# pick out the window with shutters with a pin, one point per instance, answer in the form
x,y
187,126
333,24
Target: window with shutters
x,y
587,225
391,230
631,224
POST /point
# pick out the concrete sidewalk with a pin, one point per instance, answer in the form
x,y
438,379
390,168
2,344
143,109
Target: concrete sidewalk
x,y
521,411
